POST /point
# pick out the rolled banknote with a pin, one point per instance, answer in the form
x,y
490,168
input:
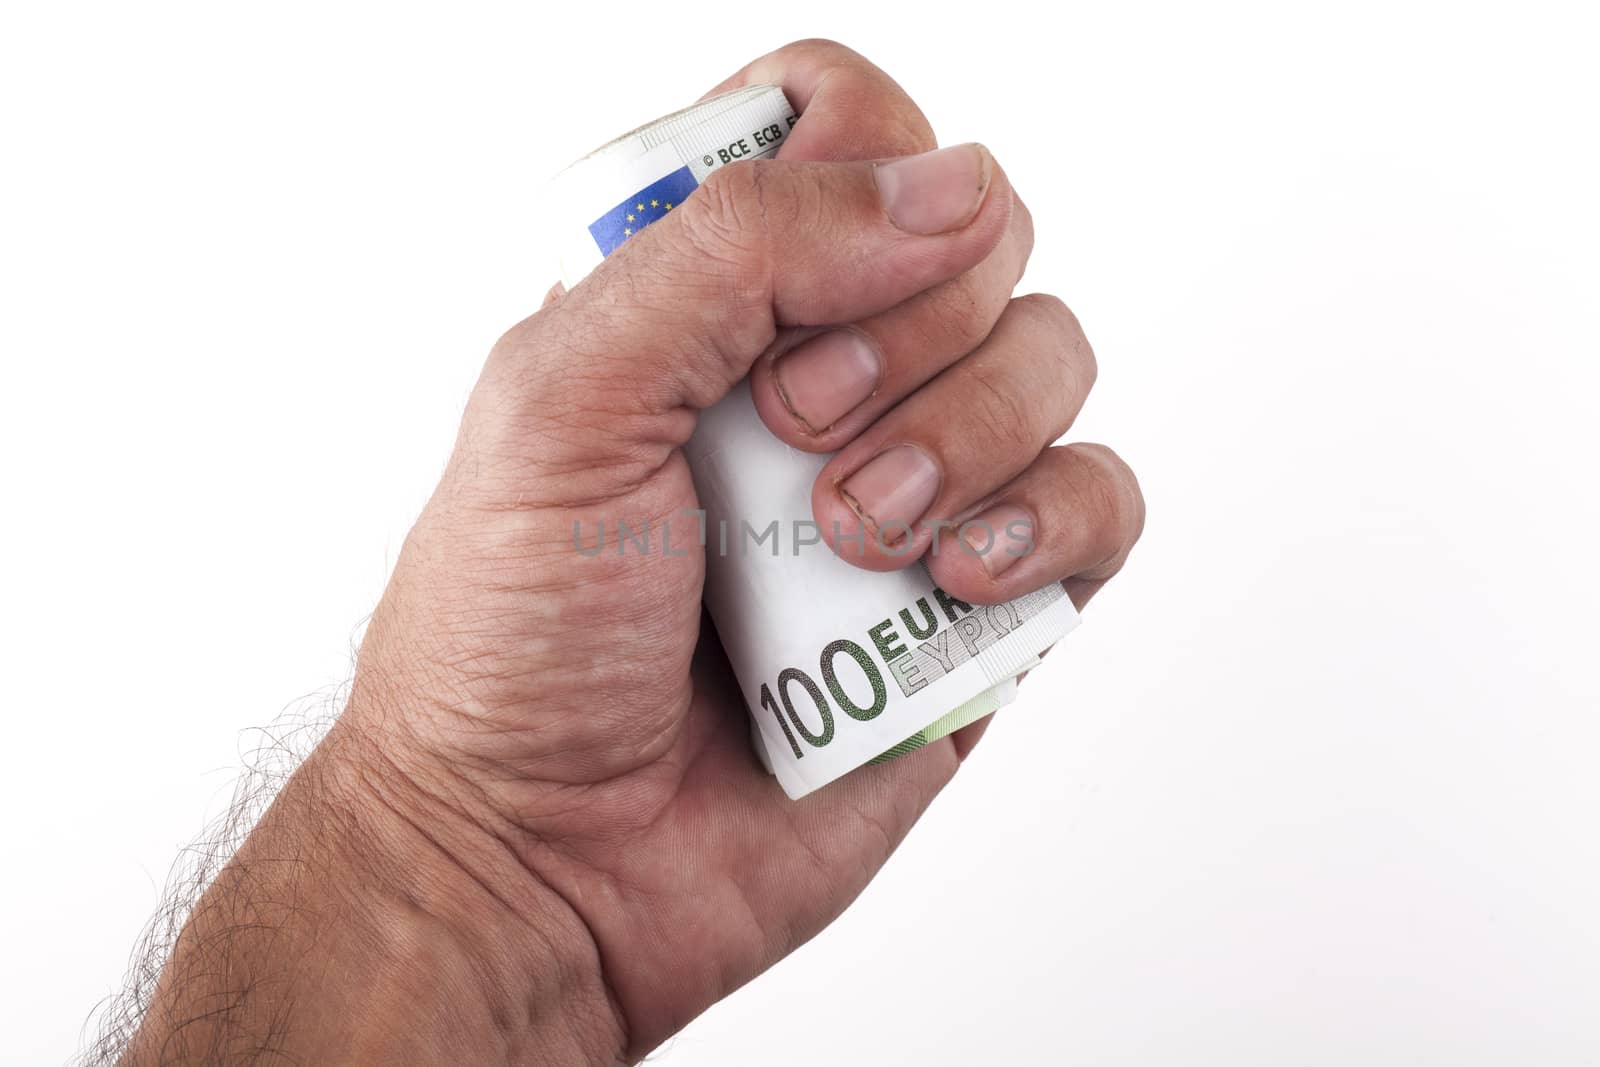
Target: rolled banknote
x,y
838,666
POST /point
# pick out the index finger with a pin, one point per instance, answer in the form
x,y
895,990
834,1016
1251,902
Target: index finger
x,y
849,109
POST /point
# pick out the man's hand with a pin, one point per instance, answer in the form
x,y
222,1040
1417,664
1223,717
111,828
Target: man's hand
x,y
538,832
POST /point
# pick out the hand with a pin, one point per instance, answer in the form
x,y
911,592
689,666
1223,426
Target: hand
x,y
541,798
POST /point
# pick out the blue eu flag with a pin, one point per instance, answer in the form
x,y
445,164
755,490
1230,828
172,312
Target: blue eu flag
x,y
641,209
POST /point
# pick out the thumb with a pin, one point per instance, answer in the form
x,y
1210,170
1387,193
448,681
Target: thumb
x,y
678,313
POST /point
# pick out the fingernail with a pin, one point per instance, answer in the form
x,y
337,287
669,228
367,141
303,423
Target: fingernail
x,y
825,378
936,191
892,491
999,537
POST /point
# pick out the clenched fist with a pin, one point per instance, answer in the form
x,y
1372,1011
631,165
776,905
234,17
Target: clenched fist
x,y
537,833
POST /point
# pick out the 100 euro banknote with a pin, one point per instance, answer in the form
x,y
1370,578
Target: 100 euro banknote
x,y
838,666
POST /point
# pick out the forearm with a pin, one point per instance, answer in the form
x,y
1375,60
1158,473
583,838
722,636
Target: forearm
x,y
365,921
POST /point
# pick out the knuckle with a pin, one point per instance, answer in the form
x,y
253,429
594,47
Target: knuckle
x,y
521,338
1047,312
1119,490
884,120
1022,229
956,317
891,123
726,219
1050,320
1004,415
743,214
823,48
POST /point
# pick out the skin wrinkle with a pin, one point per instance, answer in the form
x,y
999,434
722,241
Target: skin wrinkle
x,y
574,900
961,315
1004,416
620,891
498,834
490,890
748,321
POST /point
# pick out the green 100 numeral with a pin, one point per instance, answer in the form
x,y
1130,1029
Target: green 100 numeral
x,y
786,715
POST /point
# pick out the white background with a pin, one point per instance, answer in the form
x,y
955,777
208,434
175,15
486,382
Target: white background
x,y
1316,783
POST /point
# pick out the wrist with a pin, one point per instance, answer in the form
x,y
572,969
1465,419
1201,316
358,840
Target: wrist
x,y
366,919
468,928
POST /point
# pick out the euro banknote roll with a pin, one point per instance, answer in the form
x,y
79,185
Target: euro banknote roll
x,y
838,666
